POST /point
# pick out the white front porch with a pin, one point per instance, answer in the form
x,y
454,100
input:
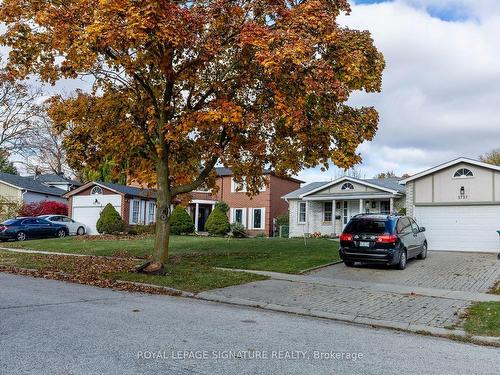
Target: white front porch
x,y
330,216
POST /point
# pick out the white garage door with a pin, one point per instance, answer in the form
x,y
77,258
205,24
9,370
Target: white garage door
x,y
465,228
87,208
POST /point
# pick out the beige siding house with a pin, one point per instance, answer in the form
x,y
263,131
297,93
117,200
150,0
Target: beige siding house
x,y
459,204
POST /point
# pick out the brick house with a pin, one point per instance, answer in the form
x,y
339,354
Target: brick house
x,y
137,205
255,213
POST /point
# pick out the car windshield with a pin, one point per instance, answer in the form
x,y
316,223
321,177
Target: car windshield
x,y
368,226
9,222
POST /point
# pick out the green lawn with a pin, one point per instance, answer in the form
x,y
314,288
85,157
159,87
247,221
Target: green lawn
x,y
269,254
483,319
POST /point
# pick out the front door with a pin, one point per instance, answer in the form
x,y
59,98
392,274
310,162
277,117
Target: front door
x,y
203,212
346,213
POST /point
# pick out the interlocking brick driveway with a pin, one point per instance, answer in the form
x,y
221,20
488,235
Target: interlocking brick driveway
x,y
430,293
472,272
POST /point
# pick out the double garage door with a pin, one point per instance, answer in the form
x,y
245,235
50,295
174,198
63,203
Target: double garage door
x,y
463,228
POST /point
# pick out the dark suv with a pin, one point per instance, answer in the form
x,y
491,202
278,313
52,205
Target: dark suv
x,y
382,239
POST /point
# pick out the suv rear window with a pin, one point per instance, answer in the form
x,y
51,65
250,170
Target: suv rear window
x,y
369,226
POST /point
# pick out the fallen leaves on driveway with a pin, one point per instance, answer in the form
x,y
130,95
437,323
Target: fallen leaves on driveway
x,y
88,270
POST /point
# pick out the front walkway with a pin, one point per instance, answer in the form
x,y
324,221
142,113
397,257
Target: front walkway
x,y
429,295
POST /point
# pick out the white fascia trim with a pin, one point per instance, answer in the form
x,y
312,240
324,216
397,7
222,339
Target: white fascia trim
x,y
11,185
352,197
449,164
350,179
202,201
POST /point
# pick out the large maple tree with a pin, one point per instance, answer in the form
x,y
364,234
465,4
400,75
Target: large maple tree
x,y
183,85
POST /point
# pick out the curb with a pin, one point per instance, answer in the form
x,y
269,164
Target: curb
x,y
457,334
319,267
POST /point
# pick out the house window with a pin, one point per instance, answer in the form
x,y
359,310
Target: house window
x,y
136,208
239,187
347,186
238,215
327,211
463,173
151,212
302,212
96,190
258,218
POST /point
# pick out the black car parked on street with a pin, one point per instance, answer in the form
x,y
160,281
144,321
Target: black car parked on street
x,y
382,239
20,229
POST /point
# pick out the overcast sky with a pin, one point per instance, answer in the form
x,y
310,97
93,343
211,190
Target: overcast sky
x,y
441,87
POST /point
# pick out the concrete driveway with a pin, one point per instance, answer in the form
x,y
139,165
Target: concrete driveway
x,y
470,272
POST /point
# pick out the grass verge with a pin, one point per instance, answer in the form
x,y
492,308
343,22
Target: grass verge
x,y
105,272
483,319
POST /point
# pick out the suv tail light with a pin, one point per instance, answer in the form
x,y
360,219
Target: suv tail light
x,y
345,237
2,228
387,238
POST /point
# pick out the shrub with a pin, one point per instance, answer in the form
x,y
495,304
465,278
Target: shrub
x,y
110,221
402,211
142,229
283,219
223,206
217,222
180,221
238,230
44,208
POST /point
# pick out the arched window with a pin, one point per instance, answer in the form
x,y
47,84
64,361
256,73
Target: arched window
x,y
347,186
96,190
463,173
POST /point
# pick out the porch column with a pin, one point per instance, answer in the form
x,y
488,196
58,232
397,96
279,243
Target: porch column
x,y
391,205
333,214
361,202
307,217
196,211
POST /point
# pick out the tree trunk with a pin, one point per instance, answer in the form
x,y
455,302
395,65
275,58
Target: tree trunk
x,y
162,237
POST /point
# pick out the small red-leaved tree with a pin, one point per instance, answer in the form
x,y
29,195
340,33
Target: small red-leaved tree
x,y
44,208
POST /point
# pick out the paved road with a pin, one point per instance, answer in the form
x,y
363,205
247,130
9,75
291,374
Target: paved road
x,y
50,327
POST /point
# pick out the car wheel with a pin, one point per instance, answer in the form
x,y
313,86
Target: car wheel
x,y
349,264
21,236
402,260
80,231
61,233
423,254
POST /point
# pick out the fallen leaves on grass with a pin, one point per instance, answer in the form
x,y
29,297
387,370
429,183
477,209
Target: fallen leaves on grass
x,y
82,270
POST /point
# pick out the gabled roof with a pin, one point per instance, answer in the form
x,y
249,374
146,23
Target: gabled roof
x,y
449,164
390,185
55,178
30,184
117,188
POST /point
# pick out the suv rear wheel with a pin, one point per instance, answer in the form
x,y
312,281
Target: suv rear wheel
x,y
402,260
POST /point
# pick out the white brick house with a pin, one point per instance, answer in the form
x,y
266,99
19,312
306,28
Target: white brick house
x,y
326,207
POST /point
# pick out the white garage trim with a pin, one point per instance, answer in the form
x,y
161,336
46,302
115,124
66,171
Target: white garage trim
x,y
87,208
462,228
